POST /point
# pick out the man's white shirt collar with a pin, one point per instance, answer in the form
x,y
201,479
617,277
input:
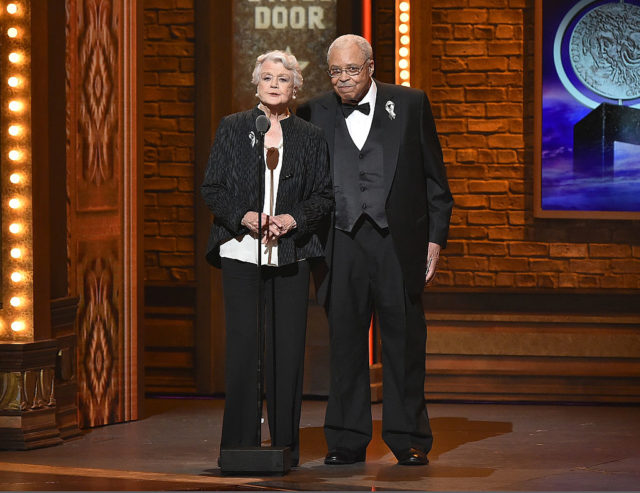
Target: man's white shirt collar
x,y
358,123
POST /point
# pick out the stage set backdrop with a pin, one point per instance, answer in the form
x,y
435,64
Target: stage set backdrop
x,y
109,108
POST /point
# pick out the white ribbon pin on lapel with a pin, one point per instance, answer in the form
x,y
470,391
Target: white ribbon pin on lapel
x,y
390,107
252,138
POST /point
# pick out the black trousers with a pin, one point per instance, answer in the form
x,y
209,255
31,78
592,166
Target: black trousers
x,y
366,276
286,295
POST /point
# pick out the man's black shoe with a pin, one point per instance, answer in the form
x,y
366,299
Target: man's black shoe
x,y
343,456
412,457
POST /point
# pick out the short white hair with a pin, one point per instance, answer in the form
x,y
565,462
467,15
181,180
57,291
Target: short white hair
x,y
346,39
289,62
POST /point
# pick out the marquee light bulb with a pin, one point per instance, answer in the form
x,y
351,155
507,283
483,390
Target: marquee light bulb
x,y
12,32
404,39
15,178
403,52
15,106
15,301
17,326
404,17
15,57
13,81
403,28
12,8
405,83
404,74
16,253
14,130
14,203
15,155
404,6
15,228
403,63
16,276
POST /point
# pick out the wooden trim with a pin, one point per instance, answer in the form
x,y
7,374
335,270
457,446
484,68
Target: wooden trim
x,y
63,328
133,275
538,211
534,347
169,319
28,410
40,96
421,60
212,103
348,17
555,302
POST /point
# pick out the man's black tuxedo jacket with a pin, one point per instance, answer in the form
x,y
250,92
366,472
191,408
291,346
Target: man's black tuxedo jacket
x,y
418,200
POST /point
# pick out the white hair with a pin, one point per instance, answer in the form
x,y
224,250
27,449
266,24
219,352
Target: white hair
x,y
346,39
286,59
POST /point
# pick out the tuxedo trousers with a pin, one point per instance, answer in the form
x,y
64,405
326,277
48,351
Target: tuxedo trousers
x,y
285,297
366,277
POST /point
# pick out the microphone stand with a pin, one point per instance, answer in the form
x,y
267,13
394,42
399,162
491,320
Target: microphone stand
x,y
260,308
258,459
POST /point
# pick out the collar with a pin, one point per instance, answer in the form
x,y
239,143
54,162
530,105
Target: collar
x,y
371,95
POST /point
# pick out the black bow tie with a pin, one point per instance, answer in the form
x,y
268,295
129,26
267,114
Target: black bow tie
x,y
347,109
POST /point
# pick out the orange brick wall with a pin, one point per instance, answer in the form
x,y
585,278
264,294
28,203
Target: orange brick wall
x,y
169,139
482,93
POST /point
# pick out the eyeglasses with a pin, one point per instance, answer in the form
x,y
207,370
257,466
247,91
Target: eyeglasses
x,y
351,70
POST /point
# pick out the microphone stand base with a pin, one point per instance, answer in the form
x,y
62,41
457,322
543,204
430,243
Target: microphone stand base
x,y
255,460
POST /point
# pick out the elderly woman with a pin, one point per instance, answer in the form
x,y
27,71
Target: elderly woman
x,y
297,200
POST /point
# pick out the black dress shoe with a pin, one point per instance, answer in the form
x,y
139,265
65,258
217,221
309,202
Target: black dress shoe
x,y
343,456
412,457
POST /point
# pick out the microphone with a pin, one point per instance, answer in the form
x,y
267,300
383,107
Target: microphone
x,y
263,124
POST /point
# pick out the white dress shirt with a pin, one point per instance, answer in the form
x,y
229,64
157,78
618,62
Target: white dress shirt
x,y
245,248
358,123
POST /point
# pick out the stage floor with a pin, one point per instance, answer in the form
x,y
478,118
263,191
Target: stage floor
x,y
477,447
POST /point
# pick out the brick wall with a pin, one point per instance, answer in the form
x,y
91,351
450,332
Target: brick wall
x,y
482,90
169,139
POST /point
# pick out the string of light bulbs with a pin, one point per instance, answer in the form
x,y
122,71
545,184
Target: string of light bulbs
x,y
16,321
403,42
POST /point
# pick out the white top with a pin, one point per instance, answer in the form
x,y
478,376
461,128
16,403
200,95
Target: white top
x,y
358,123
245,248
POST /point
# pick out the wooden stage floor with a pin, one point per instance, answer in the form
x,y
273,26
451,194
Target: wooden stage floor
x,y
478,447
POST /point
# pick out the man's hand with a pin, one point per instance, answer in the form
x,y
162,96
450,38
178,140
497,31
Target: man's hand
x,y
433,255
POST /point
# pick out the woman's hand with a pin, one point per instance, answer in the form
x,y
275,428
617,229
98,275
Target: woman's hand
x,y
280,225
250,221
273,227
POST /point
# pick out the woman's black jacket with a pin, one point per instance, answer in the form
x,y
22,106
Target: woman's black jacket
x,y
230,187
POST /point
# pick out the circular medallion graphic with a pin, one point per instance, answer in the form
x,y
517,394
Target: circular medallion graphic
x,y
596,52
605,50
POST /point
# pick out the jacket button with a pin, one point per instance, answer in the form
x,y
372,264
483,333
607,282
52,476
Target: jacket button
x,y
360,155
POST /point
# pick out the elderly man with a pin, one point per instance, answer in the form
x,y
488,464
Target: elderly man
x,y
392,213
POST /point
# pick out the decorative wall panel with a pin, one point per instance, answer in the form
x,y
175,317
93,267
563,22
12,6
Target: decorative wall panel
x,y
103,179
98,26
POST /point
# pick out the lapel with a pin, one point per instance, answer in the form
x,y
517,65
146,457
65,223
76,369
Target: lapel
x,y
289,134
326,120
390,133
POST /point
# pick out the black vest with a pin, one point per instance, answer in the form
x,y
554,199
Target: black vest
x,y
358,176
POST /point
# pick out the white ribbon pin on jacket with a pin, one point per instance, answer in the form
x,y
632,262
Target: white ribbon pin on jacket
x,y
390,106
252,138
